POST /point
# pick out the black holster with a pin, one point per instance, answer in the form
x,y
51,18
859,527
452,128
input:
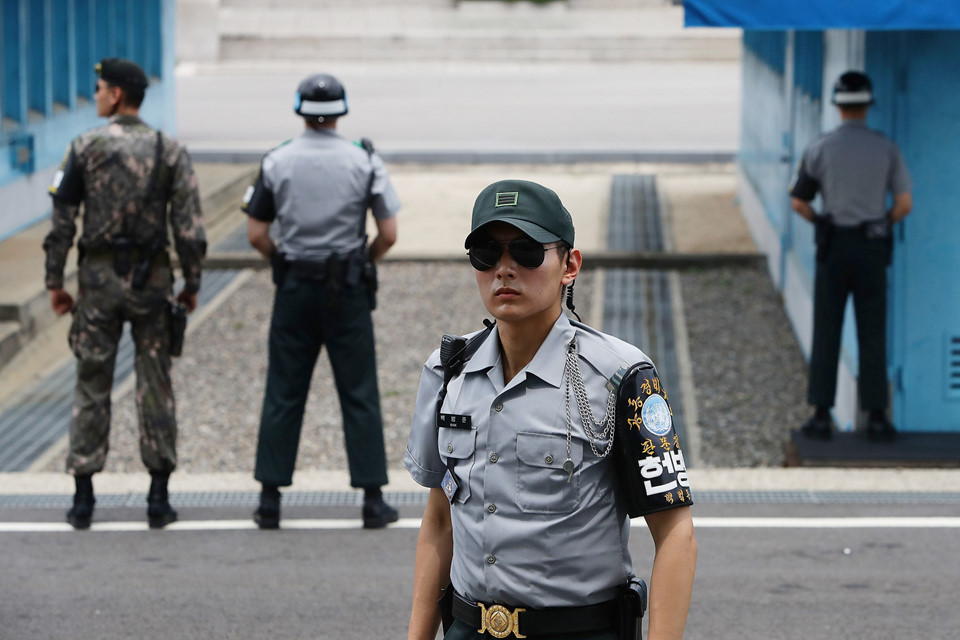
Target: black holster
x,y
178,327
369,277
633,604
446,608
823,234
278,267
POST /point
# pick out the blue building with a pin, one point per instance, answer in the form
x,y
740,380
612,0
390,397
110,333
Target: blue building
x,y
47,52
792,54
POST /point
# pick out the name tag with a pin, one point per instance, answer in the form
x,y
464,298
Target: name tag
x,y
453,421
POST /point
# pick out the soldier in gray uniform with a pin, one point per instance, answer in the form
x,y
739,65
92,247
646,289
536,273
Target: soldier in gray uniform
x,y
317,190
526,526
125,174
853,169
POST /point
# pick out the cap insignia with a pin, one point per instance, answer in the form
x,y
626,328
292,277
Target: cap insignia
x,y
507,199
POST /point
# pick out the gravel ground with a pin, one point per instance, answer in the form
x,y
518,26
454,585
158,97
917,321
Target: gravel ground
x,y
748,370
749,373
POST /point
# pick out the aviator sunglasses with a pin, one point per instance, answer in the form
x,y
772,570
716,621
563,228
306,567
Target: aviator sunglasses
x,y
526,252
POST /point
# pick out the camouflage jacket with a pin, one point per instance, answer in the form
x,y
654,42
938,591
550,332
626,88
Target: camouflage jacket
x,y
109,169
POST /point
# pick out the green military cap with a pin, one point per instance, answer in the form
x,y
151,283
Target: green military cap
x,y
528,206
123,73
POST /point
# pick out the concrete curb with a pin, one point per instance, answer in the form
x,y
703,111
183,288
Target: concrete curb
x,y
730,480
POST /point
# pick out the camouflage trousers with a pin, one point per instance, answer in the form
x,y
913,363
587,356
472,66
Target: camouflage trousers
x,y
105,302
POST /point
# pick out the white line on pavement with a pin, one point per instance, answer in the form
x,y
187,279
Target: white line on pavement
x,y
414,523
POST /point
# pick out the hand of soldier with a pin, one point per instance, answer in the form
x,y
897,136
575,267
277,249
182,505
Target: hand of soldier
x,y
189,300
60,301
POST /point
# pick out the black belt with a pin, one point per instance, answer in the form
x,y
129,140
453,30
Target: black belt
x,y
501,621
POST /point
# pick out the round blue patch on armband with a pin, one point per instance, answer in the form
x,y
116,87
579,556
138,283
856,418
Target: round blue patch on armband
x,y
655,415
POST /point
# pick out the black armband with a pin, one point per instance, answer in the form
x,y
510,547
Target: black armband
x,y
804,186
258,201
67,185
651,472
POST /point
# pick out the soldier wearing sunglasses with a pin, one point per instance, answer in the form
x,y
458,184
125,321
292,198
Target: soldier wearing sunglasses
x,y
526,526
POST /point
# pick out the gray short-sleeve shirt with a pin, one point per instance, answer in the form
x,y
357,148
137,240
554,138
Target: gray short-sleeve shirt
x,y
853,168
320,184
524,535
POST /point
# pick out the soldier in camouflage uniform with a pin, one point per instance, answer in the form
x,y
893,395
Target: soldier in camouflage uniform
x,y
124,276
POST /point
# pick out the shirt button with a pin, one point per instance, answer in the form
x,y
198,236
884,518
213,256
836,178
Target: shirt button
x,y
491,508
449,448
491,559
494,457
498,407
548,459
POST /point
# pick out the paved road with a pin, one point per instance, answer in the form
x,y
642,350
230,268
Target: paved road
x,y
679,106
782,582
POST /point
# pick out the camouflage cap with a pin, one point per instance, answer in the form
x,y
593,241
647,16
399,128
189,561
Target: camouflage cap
x,y
528,206
123,73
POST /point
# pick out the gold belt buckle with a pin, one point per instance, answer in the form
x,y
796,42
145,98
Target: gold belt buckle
x,y
500,621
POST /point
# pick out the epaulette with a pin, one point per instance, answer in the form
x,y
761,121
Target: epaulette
x,y
366,144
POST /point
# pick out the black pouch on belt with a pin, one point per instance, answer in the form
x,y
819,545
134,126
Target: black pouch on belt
x,y
633,604
178,327
121,256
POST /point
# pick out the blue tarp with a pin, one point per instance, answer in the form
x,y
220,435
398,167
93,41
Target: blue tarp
x,y
823,14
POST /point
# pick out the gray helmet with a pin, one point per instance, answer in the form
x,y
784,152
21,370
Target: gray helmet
x,y
852,89
320,96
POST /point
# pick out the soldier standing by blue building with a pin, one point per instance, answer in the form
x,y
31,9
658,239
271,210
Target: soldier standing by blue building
x,y
318,188
125,175
526,527
853,169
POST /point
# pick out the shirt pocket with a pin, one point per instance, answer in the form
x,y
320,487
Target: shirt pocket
x,y
457,448
542,485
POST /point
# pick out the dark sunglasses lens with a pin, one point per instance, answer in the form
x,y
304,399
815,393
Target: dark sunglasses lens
x,y
484,255
527,253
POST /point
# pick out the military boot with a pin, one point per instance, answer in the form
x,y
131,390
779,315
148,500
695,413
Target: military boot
x,y
81,513
377,513
267,515
159,511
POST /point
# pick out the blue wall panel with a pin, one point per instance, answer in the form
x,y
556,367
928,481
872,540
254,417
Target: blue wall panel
x,y
917,79
14,59
808,63
83,28
47,52
64,53
39,80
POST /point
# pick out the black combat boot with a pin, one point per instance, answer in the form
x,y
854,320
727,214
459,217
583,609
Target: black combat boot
x,y
81,512
159,511
819,425
377,513
879,428
267,515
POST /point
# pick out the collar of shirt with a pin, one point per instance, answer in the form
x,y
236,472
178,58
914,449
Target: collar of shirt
x,y
854,122
125,119
547,364
320,134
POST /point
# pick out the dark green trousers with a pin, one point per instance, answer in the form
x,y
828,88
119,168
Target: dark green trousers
x,y
853,265
460,630
305,318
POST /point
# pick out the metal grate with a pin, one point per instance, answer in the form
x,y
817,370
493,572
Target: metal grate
x,y
637,306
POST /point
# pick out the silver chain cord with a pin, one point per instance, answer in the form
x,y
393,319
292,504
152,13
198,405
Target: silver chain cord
x,y
601,430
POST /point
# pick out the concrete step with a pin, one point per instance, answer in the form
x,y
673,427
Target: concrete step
x,y
474,48
492,31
